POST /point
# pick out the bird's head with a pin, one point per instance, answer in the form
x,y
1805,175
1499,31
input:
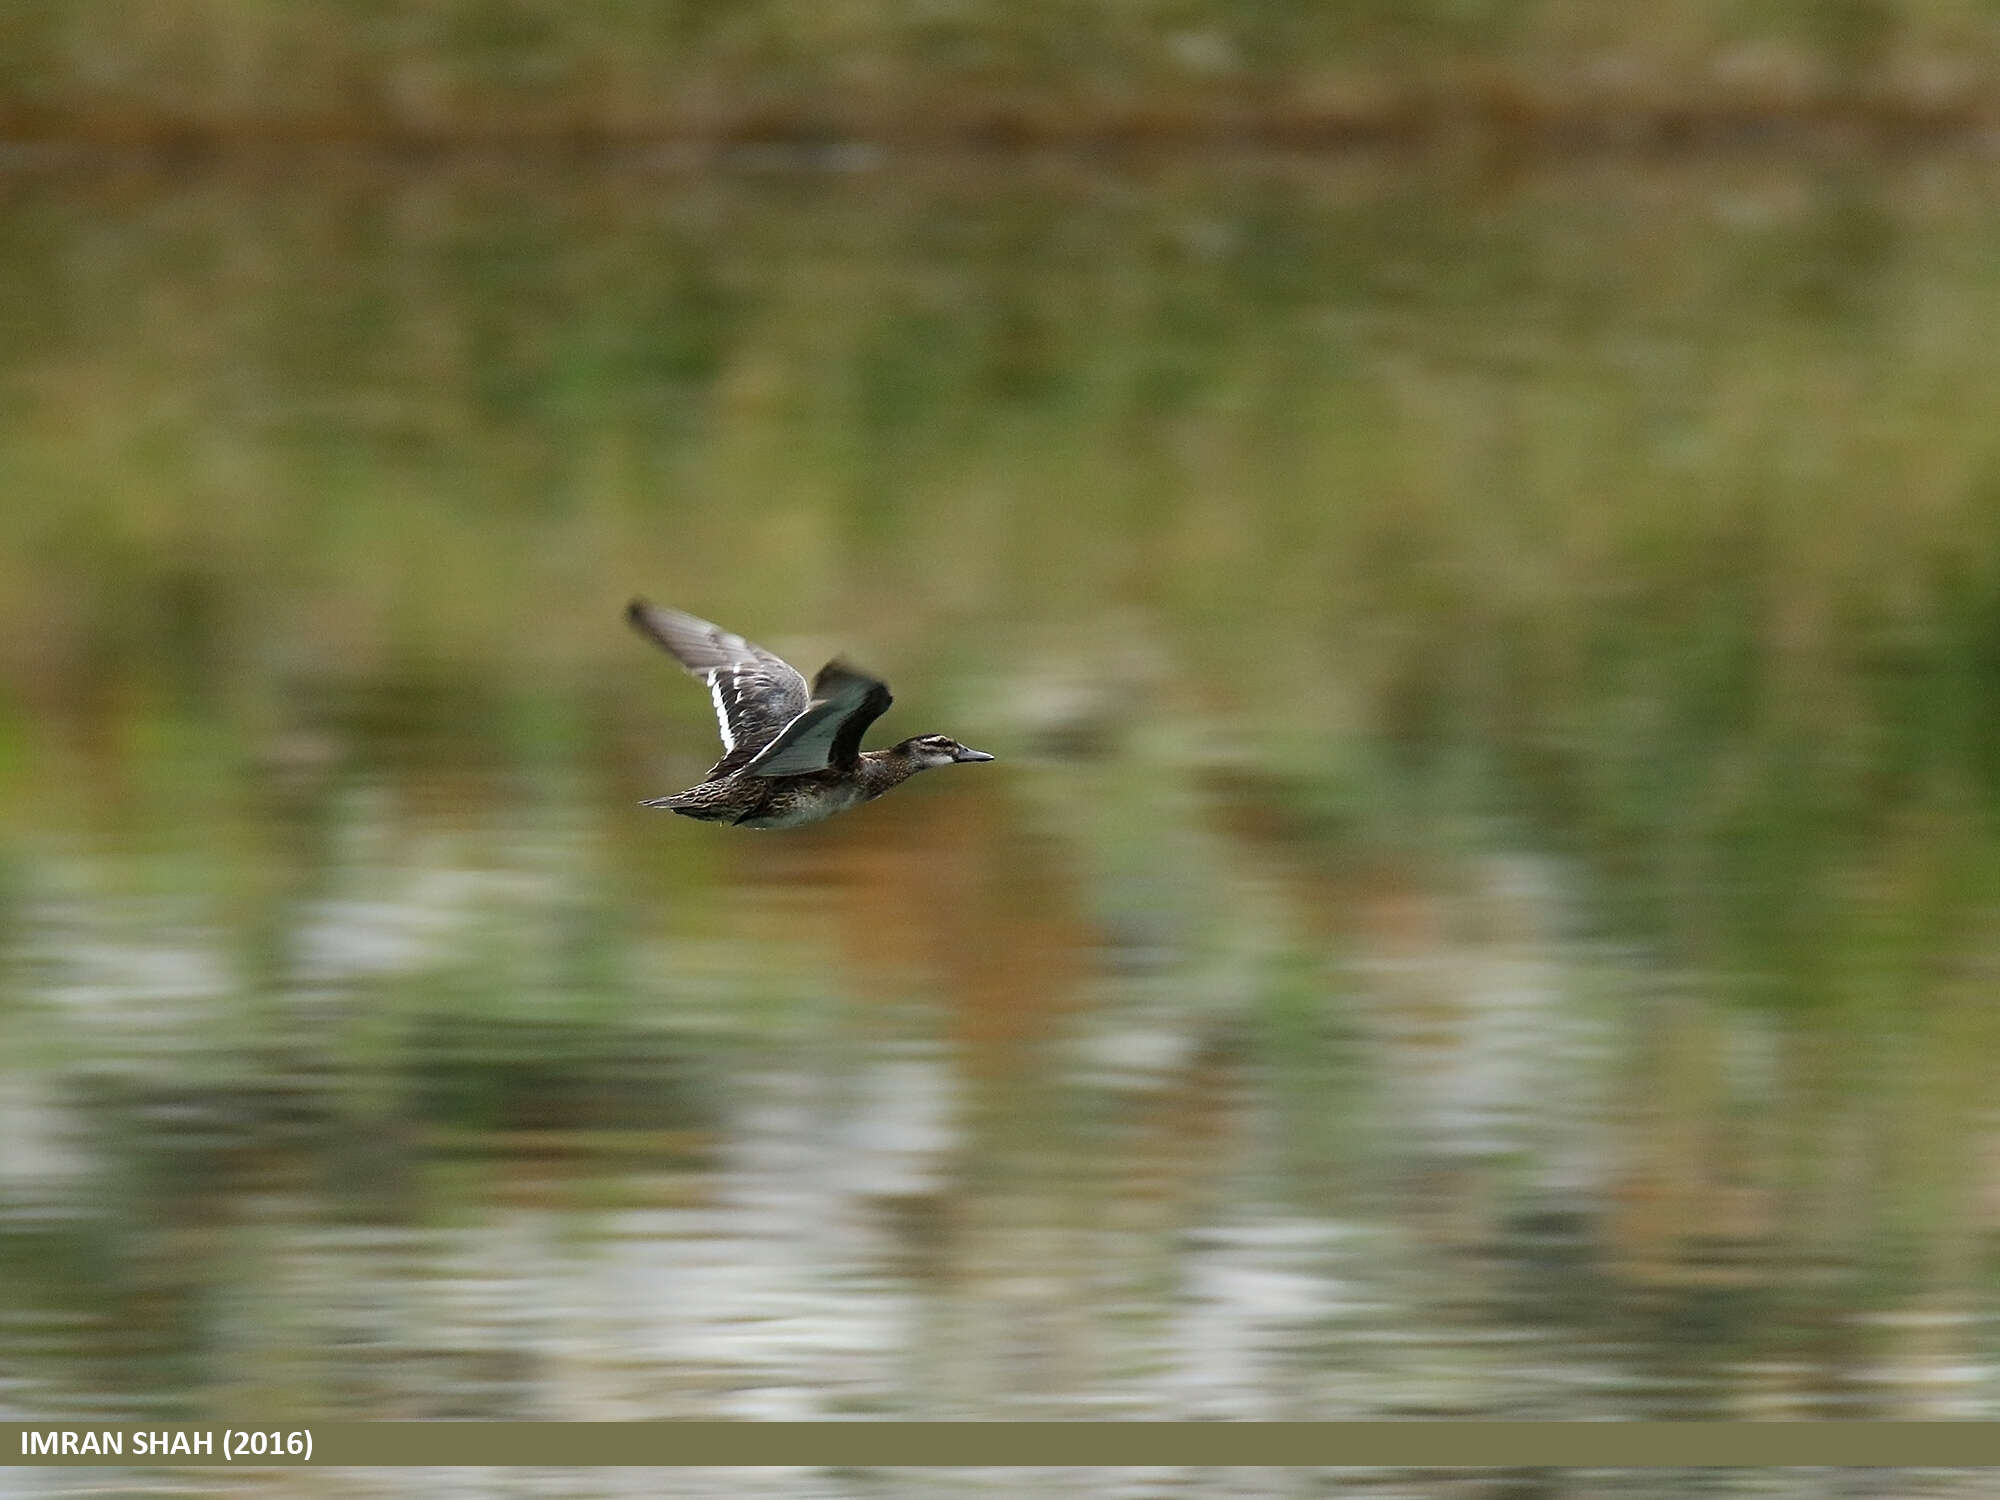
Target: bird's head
x,y
929,750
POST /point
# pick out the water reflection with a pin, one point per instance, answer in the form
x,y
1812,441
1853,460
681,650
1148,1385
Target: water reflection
x,y
1484,909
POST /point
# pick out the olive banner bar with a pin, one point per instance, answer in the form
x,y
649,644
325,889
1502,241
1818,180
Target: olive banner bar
x,y
873,1444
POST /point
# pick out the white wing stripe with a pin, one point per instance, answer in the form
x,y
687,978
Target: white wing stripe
x,y
721,710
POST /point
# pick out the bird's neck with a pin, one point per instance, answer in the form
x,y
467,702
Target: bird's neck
x,y
882,769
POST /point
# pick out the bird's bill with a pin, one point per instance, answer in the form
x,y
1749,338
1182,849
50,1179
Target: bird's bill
x,y
967,753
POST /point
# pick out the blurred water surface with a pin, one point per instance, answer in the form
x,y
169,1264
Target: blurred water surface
x,y
1486,907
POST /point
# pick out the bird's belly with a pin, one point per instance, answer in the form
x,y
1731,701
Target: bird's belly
x,y
792,809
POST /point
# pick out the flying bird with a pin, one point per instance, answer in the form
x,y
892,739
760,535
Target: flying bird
x,y
789,755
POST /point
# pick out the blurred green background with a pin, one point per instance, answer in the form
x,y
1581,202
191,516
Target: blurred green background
x,y
1487,906
997,72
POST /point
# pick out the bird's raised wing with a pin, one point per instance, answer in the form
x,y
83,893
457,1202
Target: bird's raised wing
x,y
756,693
828,733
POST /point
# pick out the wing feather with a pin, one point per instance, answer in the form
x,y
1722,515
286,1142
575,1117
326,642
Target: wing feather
x,y
828,733
756,692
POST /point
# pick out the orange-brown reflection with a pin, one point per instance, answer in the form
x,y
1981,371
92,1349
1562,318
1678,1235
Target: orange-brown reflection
x,y
951,891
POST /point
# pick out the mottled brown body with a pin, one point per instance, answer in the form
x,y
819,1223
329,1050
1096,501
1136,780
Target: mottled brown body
x,y
788,801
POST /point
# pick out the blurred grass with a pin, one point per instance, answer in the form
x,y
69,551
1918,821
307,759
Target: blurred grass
x,y
1649,513
981,71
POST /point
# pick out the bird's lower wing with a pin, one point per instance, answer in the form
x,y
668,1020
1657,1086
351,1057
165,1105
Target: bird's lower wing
x,y
828,733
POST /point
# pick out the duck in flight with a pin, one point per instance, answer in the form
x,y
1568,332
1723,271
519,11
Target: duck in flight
x,y
789,755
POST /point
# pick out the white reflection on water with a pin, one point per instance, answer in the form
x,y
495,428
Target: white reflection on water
x,y
137,971
1250,1293
1114,1219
